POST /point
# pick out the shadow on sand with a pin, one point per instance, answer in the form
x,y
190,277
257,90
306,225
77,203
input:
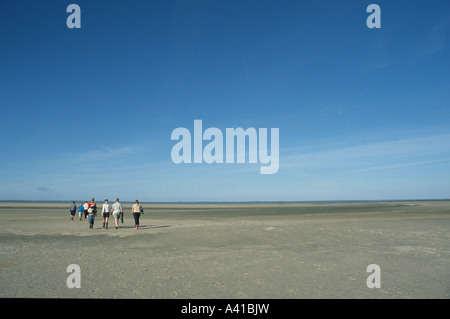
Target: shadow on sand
x,y
140,227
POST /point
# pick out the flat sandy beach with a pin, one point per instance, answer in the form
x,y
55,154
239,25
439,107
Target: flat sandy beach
x,y
304,250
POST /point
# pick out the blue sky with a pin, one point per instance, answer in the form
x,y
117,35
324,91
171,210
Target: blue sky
x,y
363,114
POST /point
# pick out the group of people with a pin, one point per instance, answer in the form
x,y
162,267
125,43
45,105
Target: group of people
x,y
89,210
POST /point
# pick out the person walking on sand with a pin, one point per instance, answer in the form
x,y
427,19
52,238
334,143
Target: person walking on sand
x,y
80,210
136,211
86,207
73,209
105,213
92,211
117,210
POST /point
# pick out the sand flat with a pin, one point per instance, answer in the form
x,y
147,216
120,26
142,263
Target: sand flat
x,y
277,250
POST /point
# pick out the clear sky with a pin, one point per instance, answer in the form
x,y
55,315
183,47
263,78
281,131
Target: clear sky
x,y
363,114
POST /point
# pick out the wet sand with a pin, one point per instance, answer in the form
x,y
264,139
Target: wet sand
x,y
305,250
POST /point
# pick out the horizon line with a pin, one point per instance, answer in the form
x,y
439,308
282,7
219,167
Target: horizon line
x,y
237,202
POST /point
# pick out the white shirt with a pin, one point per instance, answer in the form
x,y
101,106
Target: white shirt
x,y
136,208
106,208
117,207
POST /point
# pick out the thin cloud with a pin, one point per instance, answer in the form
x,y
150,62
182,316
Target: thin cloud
x,y
376,155
436,39
102,155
